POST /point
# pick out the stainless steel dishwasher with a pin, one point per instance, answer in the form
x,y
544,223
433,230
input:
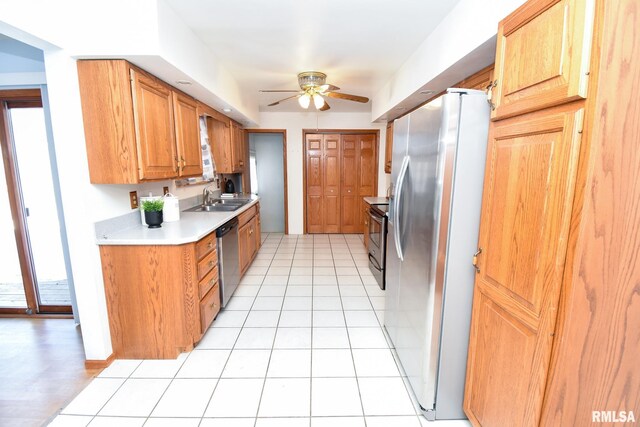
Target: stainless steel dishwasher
x,y
228,259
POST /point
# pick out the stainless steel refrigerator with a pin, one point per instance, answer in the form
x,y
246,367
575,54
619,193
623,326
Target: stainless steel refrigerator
x,y
439,153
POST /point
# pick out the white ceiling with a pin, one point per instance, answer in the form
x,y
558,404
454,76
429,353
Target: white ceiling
x,y
359,44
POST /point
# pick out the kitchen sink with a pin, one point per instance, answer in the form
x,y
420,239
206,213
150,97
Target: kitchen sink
x,y
219,205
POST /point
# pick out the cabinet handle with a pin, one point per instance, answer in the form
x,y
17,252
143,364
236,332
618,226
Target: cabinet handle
x,y
210,245
184,162
211,264
475,260
212,305
211,282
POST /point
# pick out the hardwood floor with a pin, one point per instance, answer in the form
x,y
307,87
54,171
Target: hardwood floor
x,y
41,369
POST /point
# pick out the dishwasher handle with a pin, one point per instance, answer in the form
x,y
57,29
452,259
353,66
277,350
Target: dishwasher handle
x,y
227,227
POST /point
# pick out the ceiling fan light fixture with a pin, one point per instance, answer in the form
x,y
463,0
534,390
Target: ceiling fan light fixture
x,y
318,101
304,100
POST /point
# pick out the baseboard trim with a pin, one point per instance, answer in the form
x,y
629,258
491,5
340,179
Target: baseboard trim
x,y
99,364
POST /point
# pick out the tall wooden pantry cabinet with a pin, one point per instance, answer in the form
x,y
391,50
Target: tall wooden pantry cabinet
x,y
555,274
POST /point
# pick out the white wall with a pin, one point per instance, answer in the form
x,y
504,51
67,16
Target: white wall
x,y
466,28
294,123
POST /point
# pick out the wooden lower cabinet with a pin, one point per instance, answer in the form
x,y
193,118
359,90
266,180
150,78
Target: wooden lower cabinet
x,y
160,298
248,236
365,228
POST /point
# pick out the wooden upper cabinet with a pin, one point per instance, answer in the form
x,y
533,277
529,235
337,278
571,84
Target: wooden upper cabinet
x,y
136,126
155,130
227,140
542,56
388,148
529,185
187,128
237,147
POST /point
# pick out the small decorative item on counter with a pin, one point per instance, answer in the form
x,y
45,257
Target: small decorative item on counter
x,y
171,210
153,212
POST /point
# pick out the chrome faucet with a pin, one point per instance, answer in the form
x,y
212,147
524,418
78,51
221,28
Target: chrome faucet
x,y
206,194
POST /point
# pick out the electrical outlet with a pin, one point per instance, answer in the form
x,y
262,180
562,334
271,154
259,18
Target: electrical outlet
x,y
165,190
133,199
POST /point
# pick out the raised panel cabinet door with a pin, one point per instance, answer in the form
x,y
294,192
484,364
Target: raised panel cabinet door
x,y
155,132
187,135
350,202
314,178
237,152
220,140
388,148
244,246
331,183
367,169
542,56
526,208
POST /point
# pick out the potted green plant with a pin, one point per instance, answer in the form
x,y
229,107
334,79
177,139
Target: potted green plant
x,y
153,212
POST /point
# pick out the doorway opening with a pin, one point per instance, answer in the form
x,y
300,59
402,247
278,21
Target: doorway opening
x,y
268,176
34,278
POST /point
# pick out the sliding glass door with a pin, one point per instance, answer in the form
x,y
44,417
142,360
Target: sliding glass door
x,y
34,275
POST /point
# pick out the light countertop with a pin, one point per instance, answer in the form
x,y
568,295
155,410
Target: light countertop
x,y
376,200
191,227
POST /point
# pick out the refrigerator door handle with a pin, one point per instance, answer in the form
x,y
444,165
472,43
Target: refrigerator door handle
x,y
399,185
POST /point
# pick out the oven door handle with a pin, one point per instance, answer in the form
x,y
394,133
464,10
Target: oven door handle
x,y
375,263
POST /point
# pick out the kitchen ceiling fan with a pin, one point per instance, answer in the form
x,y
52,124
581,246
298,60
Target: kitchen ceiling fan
x,y
314,87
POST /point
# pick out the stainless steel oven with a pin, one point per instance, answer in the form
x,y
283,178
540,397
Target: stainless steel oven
x,y
378,242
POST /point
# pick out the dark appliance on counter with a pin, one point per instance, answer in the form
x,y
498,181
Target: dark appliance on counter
x,y
378,242
229,186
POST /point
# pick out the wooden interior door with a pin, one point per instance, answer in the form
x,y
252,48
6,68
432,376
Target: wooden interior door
x,y
155,136
556,37
315,191
187,134
367,171
350,218
528,192
331,183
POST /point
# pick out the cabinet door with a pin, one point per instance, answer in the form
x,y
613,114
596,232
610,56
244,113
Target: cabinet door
x,y
351,203
365,229
315,190
388,148
542,56
258,230
237,152
155,135
331,183
526,208
244,246
367,170
187,135
220,140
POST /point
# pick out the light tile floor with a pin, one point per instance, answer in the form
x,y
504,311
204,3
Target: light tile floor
x,y
299,344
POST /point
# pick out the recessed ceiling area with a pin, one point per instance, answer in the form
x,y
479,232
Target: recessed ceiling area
x,y
359,44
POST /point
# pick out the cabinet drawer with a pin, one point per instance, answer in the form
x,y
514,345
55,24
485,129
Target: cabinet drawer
x,y
209,307
207,264
246,216
208,282
206,245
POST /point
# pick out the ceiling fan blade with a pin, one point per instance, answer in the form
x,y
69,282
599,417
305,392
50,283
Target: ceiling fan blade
x,y
296,91
348,97
325,107
327,87
282,100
